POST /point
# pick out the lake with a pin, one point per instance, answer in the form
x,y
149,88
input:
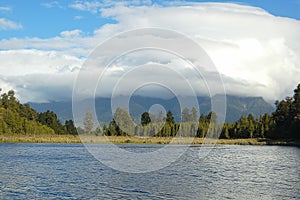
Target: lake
x,y
69,171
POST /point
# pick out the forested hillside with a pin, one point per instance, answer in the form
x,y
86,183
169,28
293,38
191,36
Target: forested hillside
x,y
236,106
17,118
284,123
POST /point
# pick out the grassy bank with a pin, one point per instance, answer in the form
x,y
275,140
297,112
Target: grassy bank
x,y
16,138
20,138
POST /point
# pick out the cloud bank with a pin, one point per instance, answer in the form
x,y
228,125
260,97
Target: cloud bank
x,y
256,53
6,24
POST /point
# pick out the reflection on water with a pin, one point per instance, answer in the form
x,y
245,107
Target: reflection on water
x,y
62,171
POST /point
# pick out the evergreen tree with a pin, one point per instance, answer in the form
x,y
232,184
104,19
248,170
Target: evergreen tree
x,y
295,124
225,132
70,127
160,117
170,118
112,128
202,119
194,115
212,118
185,115
125,123
104,129
145,119
287,117
49,118
98,131
16,118
251,125
88,122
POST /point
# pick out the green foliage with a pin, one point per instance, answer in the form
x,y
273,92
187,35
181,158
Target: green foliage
x,y
29,113
225,131
170,118
16,118
160,117
185,115
125,123
194,115
287,117
212,118
88,122
145,118
112,128
49,118
70,127
104,129
98,131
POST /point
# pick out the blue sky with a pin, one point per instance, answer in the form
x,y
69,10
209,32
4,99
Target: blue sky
x,y
46,19
251,42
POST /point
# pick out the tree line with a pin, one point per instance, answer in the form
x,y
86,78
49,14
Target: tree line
x,y
17,118
284,122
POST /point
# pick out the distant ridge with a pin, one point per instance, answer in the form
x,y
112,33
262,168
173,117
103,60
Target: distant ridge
x,y
236,107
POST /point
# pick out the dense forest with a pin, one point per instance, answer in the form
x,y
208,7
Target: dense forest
x,y
17,118
283,123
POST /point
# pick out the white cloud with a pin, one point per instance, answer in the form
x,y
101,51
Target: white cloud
x,y
26,62
77,17
72,33
5,9
75,46
52,4
6,24
90,6
95,7
40,87
246,43
258,54
38,76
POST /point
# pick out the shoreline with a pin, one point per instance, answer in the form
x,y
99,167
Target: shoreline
x,y
91,139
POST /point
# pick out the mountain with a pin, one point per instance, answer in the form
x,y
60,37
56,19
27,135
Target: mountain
x,y
236,106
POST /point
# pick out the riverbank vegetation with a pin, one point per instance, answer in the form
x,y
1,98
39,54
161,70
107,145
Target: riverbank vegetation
x,y
20,123
93,139
282,124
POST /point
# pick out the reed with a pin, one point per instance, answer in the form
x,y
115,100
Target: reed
x,y
22,138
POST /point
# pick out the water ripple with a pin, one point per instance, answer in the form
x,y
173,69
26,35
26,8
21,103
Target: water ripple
x,y
64,171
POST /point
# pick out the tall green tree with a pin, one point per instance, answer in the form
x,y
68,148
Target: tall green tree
x,y
125,123
170,118
145,118
88,122
225,132
194,115
112,128
212,118
49,118
28,112
98,131
70,127
105,129
160,117
185,115
295,124
287,117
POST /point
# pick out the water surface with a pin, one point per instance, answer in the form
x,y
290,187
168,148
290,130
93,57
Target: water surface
x,y
68,171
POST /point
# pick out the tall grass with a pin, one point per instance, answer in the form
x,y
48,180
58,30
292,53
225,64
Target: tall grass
x,y
21,138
